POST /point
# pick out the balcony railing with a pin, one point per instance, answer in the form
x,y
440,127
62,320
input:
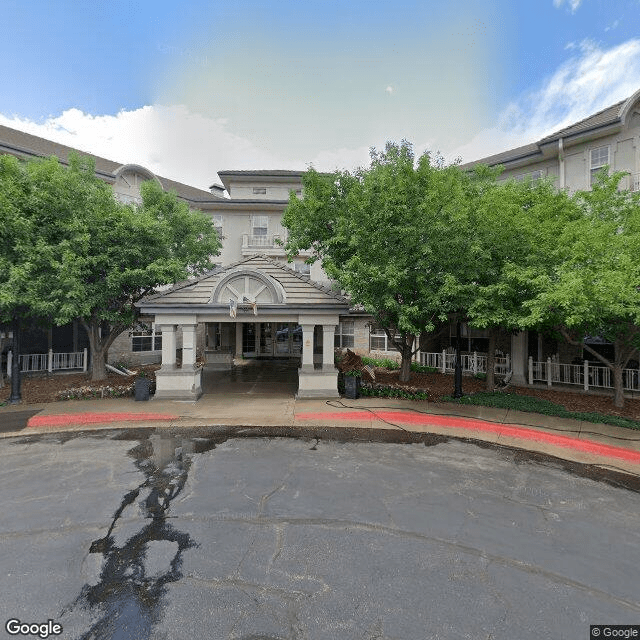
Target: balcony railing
x,y
634,181
250,241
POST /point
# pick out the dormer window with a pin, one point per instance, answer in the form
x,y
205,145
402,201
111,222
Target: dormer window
x,y
260,191
599,159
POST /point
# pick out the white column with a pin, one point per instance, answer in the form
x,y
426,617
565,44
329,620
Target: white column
x,y
168,346
328,338
188,346
238,339
307,348
519,357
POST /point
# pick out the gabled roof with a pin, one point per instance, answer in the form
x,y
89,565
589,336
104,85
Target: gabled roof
x,y
612,116
299,290
24,144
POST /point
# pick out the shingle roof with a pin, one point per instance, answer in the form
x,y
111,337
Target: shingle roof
x,y
299,289
609,116
25,144
261,172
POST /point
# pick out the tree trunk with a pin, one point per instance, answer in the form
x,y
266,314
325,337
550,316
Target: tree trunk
x,y
491,360
1,371
407,353
100,346
98,370
618,386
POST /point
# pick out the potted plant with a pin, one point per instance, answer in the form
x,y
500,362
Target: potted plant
x,y
352,383
142,386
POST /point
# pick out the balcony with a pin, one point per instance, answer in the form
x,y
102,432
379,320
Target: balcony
x,y
267,244
634,181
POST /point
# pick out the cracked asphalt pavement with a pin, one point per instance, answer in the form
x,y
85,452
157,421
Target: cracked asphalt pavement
x,y
170,535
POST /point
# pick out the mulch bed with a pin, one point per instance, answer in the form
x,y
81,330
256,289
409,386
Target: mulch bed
x,y
38,388
46,388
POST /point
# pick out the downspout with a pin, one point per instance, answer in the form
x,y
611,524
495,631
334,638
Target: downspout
x,y
562,181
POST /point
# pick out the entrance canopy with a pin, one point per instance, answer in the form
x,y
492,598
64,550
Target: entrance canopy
x,y
256,290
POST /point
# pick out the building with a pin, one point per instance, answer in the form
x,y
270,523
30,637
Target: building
x,y
255,304
293,303
572,157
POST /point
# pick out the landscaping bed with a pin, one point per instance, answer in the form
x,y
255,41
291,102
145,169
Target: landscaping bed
x,y
438,387
37,388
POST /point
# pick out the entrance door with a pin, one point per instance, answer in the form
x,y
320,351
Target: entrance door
x,y
248,339
288,339
266,338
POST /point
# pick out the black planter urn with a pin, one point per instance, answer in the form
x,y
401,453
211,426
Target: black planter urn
x,y
352,387
142,387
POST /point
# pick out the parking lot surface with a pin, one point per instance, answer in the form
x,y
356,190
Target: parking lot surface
x,y
166,534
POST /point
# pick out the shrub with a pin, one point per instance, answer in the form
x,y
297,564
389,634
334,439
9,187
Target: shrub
x,y
531,404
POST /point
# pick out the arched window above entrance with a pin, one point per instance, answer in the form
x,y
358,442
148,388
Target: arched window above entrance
x,y
248,286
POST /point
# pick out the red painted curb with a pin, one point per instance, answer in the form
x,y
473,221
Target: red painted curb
x,y
511,430
93,418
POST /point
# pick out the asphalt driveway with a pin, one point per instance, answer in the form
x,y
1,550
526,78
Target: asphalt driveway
x,y
149,534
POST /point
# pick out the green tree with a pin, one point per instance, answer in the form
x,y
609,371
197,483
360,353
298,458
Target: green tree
x,y
88,257
395,236
594,289
518,224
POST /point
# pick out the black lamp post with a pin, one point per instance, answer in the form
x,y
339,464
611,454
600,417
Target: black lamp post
x,y
457,376
16,396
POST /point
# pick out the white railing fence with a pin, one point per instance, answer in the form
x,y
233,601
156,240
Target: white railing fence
x,y
473,363
585,375
32,362
250,240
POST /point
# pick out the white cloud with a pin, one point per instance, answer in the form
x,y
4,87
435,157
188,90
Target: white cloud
x,y
170,141
175,143
573,4
389,89
593,79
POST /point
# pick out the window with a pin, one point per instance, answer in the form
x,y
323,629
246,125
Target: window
x,y
534,176
302,267
260,191
260,225
146,340
599,159
378,341
217,223
344,334
136,201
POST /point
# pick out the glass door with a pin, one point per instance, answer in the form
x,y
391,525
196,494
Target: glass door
x,y
248,339
288,339
266,339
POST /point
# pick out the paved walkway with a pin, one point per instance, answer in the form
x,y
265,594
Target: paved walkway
x,y
577,441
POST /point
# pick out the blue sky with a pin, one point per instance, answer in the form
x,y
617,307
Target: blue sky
x,y
193,89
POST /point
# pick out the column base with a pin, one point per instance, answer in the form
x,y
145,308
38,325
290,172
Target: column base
x,y
178,384
317,384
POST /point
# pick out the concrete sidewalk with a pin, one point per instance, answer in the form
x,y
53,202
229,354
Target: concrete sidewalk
x,y
584,442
